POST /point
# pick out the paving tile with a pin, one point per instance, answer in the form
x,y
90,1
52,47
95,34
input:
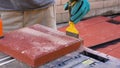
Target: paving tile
x,y
113,50
37,44
88,22
104,50
114,46
117,49
94,34
117,18
109,48
97,31
92,21
115,54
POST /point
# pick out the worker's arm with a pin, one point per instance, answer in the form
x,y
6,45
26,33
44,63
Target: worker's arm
x,y
78,10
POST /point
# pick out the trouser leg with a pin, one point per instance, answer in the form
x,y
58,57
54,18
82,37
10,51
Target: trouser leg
x,y
46,17
12,20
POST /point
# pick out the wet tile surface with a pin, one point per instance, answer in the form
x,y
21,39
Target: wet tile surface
x,y
88,22
37,44
97,30
117,19
113,49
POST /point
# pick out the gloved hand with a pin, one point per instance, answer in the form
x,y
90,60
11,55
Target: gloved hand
x,y
78,10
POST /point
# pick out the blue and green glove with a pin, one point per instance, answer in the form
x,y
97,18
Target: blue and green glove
x,y
78,10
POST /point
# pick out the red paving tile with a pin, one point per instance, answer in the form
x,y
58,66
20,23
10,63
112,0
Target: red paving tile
x,y
117,18
104,50
117,49
96,31
113,50
100,33
33,45
115,54
92,21
107,49
88,22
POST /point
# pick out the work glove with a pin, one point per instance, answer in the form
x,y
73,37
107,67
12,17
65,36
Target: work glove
x,y
78,10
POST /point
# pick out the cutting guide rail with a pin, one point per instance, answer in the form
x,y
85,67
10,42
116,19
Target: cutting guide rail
x,y
6,60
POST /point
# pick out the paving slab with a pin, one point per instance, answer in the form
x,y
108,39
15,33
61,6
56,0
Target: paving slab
x,y
99,33
37,45
88,22
117,19
97,30
109,48
115,52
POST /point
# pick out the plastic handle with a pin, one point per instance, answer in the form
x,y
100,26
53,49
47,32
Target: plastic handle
x,y
72,28
1,28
